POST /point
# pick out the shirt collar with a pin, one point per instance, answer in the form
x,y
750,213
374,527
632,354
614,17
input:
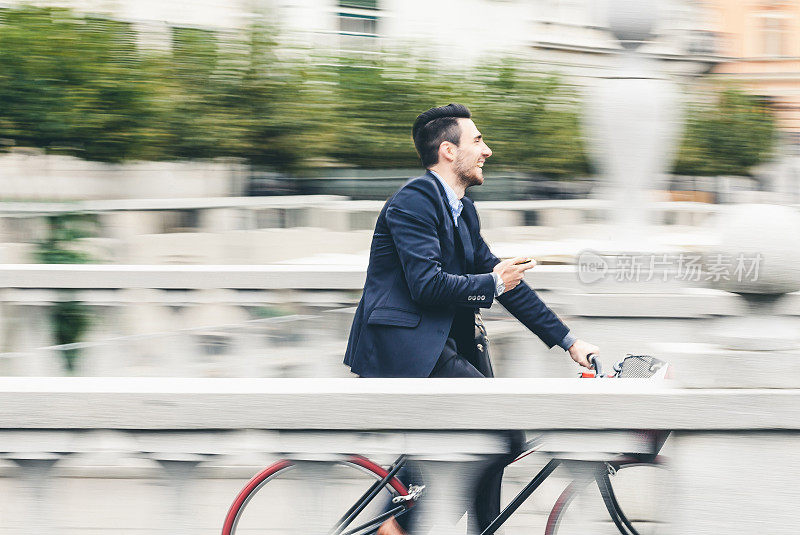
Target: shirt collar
x,y
455,203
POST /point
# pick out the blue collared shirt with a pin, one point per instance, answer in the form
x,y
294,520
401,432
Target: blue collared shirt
x,y
455,203
455,209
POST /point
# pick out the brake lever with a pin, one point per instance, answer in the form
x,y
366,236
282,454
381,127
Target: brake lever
x,y
595,362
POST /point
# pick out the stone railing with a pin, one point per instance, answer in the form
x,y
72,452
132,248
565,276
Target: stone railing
x,y
27,174
84,454
194,321
258,230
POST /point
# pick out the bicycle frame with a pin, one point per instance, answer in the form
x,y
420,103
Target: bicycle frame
x,y
638,366
365,500
520,498
600,475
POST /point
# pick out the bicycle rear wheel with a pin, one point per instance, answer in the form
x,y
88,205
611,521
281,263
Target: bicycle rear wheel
x,y
632,522
312,497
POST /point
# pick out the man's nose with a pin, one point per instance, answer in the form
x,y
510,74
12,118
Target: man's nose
x,y
486,151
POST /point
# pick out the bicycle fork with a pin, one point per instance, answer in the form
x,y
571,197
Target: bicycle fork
x,y
609,498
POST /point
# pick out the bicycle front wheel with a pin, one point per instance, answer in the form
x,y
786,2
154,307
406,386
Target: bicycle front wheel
x,y
314,497
638,483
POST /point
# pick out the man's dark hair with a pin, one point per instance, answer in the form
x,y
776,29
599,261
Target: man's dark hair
x,y
437,125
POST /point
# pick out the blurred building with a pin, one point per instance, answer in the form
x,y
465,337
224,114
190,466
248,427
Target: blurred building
x,y
762,38
565,35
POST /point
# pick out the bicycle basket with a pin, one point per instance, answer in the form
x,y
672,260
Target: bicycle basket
x,y
639,367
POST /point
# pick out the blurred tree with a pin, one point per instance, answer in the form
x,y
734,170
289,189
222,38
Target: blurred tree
x,y
726,137
229,95
530,120
64,230
200,116
80,85
282,104
69,318
70,84
374,105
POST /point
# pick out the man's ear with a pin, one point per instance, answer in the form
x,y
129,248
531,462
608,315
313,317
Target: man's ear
x,y
447,151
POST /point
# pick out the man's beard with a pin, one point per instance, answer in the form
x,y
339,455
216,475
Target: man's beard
x,y
467,174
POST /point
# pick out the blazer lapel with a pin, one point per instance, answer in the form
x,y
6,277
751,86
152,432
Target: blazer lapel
x,y
458,234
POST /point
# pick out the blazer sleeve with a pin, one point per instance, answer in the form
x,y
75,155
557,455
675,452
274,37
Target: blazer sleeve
x,y
522,302
413,222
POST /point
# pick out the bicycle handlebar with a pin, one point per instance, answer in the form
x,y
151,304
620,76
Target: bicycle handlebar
x,y
595,362
632,366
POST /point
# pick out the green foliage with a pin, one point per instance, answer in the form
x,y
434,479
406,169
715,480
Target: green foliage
x,y
81,85
374,104
64,229
727,137
70,84
70,319
262,312
530,120
280,106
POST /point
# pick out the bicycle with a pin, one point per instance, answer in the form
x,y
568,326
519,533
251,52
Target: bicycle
x,y
369,507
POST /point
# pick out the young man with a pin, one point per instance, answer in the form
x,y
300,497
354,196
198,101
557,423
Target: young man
x,y
430,271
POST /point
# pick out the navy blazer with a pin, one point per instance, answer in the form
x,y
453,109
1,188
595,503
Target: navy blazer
x,y
419,275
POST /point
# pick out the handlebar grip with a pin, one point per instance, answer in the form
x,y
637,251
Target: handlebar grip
x,y
592,357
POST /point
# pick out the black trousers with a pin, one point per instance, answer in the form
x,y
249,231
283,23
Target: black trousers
x,y
484,505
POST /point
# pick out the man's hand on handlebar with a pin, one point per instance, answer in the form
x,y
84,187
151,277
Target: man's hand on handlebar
x,y
580,351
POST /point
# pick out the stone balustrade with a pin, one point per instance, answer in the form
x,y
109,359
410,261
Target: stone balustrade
x,y
199,321
27,174
260,230
128,455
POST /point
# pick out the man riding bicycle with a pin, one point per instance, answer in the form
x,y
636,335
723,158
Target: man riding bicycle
x,y
430,272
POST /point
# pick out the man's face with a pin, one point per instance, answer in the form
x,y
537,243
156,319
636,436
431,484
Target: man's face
x,y
470,155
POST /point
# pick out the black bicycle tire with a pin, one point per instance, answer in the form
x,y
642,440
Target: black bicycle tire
x,y
613,507
562,504
394,485
568,494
